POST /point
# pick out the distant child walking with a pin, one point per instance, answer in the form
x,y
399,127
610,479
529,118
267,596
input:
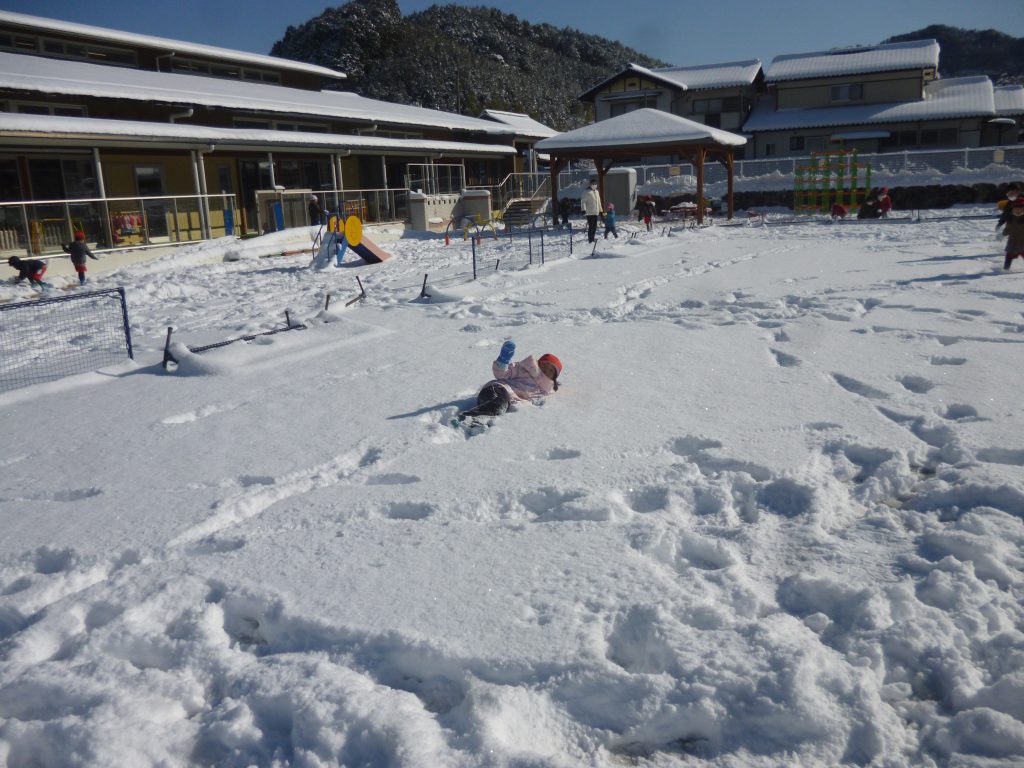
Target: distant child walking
x,y
647,211
78,250
609,222
1013,231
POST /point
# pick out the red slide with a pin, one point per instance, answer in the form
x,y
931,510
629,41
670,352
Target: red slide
x,y
370,252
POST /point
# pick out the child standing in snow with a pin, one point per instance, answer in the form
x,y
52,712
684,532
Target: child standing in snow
x,y
609,222
1006,205
78,250
29,269
528,379
647,211
884,203
1013,230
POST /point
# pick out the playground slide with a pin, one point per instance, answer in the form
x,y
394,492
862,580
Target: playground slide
x,y
370,252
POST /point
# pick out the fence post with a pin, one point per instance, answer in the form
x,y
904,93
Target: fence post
x,y
127,329
529,245
168,357
570,238
474,259
542,246
327,303
28,231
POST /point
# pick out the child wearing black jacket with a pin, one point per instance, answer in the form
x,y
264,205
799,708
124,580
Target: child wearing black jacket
x,y
29,269
78,250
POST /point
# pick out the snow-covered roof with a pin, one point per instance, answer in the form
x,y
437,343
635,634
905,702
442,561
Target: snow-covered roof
x,y
119,37
639,128
132,131
1009,99
729,74
943,99
523,124
76,78
916,54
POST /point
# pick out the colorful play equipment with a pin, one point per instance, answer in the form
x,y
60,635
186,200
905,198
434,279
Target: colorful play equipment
x,y
835,176
340,232
475,224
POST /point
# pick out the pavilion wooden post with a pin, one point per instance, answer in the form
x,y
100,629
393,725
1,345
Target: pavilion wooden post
x,y
555,168
729,168
700,184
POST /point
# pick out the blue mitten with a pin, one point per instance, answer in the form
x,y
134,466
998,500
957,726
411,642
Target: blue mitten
x,y
508,351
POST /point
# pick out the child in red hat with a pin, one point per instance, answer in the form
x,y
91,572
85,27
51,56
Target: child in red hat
x,y
78,250
527,379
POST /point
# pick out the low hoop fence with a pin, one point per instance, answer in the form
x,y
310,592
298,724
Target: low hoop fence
x,y
521,248
52,337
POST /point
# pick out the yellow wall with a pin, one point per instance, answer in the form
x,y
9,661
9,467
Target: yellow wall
x,y
119,173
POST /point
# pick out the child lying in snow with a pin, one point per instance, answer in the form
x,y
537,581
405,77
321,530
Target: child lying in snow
x,y
528,379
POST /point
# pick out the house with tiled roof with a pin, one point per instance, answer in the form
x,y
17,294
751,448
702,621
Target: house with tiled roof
x,y
875,99
717,95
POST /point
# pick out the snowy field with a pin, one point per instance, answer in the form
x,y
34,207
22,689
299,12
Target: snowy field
x,y
773,517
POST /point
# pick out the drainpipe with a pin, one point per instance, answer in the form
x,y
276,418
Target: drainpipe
x,y
170,55
273,180
187,113
101,190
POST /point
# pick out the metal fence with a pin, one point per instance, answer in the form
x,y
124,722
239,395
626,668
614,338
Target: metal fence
x,y
520,248
41,227
996,162
53,337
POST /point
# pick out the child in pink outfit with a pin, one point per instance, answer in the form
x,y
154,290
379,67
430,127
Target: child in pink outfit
x,y
527,379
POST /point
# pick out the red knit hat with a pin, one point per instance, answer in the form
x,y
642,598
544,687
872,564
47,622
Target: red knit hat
x,y
79,235
549,358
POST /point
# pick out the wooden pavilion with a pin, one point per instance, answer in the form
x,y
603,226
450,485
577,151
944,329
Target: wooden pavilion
x,y
643,132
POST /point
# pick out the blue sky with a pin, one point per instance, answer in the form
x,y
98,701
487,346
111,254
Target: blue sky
x,y
677,31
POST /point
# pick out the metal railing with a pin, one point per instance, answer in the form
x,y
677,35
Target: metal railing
x,y
372,206
435,179
515,186
997,161
41,227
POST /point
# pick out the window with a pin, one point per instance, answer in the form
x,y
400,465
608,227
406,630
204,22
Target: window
x,y
900,139
796,143
934,136
35,108
149,180
848,92
769,150
226,71
259,124
88,52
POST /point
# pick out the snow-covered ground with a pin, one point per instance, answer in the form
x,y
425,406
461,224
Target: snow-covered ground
x,y
773,517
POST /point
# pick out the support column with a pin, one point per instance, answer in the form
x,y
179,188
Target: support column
x,y
553,169
334,181
700,185
341,182
199,191
204,201
101,190
273,178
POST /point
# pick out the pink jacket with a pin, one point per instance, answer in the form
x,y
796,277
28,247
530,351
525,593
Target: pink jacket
x,y
523,380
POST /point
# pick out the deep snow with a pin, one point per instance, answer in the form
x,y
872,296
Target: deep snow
x,y
773,517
